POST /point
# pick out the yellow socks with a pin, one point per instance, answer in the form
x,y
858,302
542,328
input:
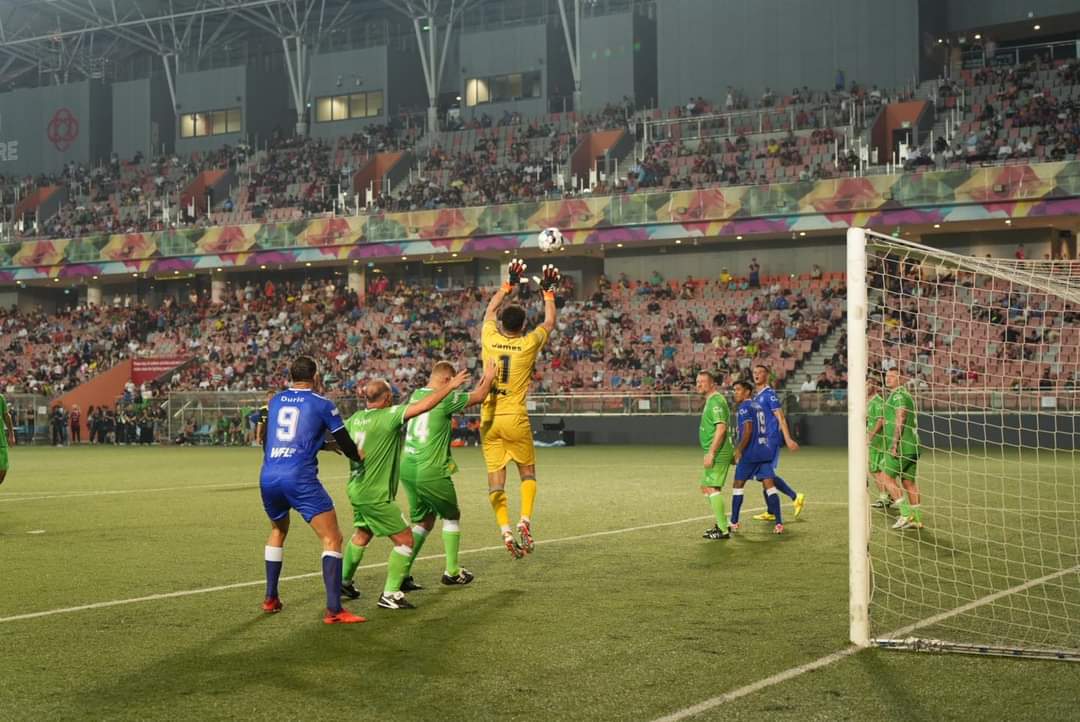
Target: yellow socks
x,y
528,498
501,508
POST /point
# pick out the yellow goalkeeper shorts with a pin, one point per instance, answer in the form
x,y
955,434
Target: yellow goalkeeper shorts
x,y
506,439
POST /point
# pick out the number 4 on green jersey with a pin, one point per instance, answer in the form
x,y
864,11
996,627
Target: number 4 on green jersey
x,y
427,438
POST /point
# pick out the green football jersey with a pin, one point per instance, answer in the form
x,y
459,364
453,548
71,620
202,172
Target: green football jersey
x,y
901,398
874,410
427,438
3,421
377,433
716,411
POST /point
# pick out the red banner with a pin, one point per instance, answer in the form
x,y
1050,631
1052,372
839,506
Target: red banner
x,y
151,367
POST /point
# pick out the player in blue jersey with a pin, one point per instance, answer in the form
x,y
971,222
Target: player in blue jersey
x,y
753,455
779,436
297,420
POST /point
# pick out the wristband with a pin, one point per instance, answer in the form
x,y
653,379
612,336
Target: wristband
x,y
506,287
549,295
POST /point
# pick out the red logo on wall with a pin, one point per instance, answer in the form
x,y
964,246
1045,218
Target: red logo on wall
x,y
63,129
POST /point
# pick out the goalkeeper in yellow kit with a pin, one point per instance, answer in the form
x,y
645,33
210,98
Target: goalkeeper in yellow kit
x,y
504,421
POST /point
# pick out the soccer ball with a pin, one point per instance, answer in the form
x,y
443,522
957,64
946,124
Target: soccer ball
x,y
550,239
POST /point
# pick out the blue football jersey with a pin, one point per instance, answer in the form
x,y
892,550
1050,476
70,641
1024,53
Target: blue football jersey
x,y
296,423
760,447
770,402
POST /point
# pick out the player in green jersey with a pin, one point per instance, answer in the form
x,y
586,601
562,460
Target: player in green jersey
x,y
876,443
716,443
373,484
902,453
426,469
7,436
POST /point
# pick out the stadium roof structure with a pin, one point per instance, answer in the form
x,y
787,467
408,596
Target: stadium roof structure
x,y
69,40
61,41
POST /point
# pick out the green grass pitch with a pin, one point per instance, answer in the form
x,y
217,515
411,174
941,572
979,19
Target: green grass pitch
x,y
623,611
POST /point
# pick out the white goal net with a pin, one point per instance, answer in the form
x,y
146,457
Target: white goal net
x,y
968,537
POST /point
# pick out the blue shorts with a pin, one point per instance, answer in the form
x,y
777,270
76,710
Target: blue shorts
x,y
759,470
307,496
776,455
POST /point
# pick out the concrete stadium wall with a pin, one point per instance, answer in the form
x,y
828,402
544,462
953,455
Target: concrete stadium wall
x,y
406,87
978,14
267,98
775,257
618,60
607,60
350,71
705,45
79,115
212,90
1061,432
131,119
499,52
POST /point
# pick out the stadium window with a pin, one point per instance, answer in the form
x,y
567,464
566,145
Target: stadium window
x,y
322,110
502,88
212,122
343,107
375,103
201,124
219,122
531,85
358,105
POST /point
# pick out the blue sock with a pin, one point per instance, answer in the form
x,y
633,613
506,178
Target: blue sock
x,y
736,504
783,488
331,575
273,556
772,502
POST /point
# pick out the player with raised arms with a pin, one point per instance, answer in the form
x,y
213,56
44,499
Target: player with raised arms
x,y
297,421
753,455
779,436
901,458
716,443
373,483
506,434
427,468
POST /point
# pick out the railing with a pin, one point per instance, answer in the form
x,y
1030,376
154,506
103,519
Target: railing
x,y
975,58
745,122
205,408
30,412
836,195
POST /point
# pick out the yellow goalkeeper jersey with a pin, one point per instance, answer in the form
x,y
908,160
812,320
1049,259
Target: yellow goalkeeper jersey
x,y
515,359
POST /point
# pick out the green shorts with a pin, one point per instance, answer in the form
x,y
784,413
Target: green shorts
x,y
3,458
716,475
383,518
899,467
877,460
431,496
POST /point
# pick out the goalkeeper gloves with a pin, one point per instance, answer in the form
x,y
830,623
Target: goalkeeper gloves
x,y
515,271
549,280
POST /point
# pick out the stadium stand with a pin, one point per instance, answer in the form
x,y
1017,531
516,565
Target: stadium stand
x,y
1019,112
629,335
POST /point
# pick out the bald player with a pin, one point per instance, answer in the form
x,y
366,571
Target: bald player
x,y
506,433
373,483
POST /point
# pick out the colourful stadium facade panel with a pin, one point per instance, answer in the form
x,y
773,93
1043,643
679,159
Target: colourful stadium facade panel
x,y
1012,191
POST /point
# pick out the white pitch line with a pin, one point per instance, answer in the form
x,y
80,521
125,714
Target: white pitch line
x,y
848,651
240,585
109,492
10,497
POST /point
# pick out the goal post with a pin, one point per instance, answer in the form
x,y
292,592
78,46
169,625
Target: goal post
x,y
973,544
858,501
